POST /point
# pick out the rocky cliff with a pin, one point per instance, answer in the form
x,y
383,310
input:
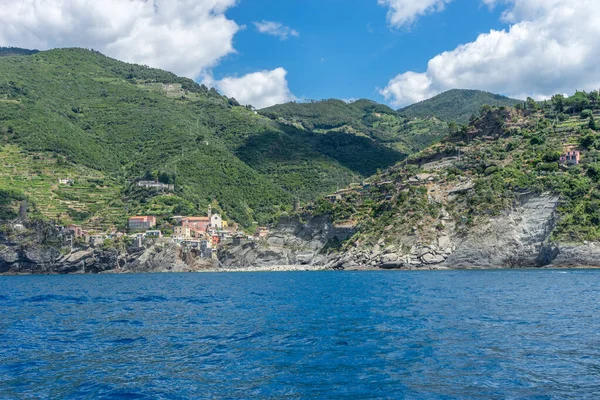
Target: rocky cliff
x,y
40,248
295,241
519,237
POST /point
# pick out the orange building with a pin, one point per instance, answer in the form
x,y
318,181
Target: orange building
x,y
196,223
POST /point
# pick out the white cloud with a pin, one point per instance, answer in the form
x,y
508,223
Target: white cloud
x,y
552,46
183,36
405,12
260,89
276,29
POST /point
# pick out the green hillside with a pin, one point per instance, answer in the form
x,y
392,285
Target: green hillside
x,y
15,51
123,122
456,105
362,118
479,171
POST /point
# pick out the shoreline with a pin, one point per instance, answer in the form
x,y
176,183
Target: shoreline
x,y
305,268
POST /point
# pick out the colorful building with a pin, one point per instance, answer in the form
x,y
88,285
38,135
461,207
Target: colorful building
x,y
142,223
571,158
196,223
182,232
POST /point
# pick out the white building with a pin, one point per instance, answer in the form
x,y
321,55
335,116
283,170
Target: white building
x,y
216,221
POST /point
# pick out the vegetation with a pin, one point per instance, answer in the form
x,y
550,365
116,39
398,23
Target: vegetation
x,y
360,122
76,112
15,51
502,155
456,105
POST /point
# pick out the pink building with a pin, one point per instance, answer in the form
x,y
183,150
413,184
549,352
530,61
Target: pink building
x,y
571,158
196,223
142,223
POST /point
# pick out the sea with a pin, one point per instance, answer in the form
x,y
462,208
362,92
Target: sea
x,y
502,334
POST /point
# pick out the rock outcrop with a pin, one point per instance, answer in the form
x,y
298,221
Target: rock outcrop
x,y
292,242
520,237
40,248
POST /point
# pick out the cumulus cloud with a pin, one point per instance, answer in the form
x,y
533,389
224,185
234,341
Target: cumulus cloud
x,y
405,12
260,89
551,46
183,36
276,29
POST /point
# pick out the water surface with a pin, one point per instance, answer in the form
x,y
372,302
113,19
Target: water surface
x,y
455,334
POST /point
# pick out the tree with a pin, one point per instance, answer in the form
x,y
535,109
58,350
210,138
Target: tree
x,y
593,124
558,100
594,98
578,102
452,127
531,104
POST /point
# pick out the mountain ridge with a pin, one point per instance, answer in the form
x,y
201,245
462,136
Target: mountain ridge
x,y
456,105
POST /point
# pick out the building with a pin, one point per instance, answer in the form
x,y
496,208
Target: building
x,y
66,181
571,157
196,223
153,234
77,231
156,185
97,240
333,198
262,232
142,223
182,232
216,221
198,233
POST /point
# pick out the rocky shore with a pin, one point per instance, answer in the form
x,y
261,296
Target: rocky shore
x,y
519,238
40,248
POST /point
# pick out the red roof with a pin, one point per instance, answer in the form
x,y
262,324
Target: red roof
x,y
196,219
144,218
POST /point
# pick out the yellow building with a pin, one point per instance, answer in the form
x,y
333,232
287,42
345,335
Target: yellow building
x,y
181,231
225,224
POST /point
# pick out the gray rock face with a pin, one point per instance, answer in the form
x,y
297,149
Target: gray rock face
x,y
432,258
291,242
41,249
517,239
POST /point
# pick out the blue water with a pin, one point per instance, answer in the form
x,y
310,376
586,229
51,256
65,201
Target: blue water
x,y
464,334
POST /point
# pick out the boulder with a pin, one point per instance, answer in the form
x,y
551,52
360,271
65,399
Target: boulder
x,y
430,258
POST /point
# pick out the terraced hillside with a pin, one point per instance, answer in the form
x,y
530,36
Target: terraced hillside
x,y
129,121
93,199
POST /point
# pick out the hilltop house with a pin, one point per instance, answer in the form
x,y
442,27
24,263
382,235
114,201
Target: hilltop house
x,y
66,181
142,223
156,185
571,157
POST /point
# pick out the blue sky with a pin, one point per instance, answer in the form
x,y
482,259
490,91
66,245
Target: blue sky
x,y
345,48
394,51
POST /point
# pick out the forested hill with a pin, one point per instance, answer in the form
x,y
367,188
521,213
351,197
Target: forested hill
x,y
456,105
363,118
106,123
15,51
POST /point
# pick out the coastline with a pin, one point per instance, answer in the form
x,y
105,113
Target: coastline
x,y
302,268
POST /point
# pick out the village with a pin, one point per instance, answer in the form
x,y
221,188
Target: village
x,y
205,234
